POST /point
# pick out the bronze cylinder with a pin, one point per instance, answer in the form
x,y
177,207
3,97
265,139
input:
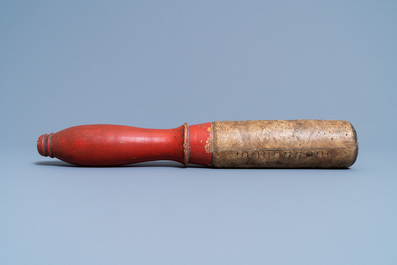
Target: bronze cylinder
x,y
283,144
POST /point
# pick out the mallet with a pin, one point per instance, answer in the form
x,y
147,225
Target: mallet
x,y
221,144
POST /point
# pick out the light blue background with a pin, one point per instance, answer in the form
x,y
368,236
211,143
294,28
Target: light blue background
x,y
158,64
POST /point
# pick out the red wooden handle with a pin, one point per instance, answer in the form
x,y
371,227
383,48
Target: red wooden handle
x,y
110,145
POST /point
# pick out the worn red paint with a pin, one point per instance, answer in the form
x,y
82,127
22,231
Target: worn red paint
x,y
110,145
199,140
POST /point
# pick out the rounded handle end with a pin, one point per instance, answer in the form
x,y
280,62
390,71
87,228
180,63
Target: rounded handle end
x,y
43,145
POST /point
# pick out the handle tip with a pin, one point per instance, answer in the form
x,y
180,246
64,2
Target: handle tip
x,y
43,145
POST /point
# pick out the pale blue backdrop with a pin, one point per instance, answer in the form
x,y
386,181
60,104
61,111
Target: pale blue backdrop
x,y
158,64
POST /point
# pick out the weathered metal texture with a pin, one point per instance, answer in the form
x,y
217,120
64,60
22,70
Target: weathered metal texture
x,y
111,145
283,144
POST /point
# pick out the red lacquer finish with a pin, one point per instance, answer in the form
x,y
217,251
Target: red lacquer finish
x,y
111,145
200,144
